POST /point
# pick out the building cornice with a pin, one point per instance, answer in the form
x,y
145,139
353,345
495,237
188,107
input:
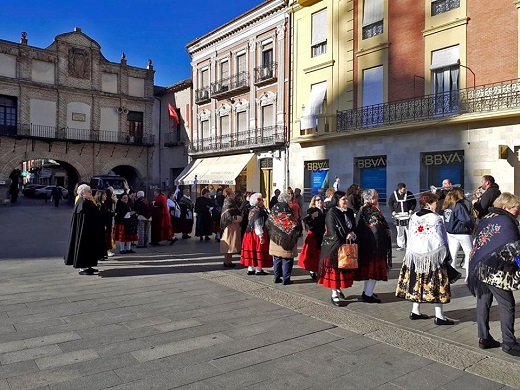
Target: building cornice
x,y
236,25
373,49
319,66
445,26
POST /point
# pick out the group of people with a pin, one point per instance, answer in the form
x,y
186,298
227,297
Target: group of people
x,y
268,238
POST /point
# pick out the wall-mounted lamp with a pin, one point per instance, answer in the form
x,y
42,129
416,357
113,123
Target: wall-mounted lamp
x,y
471,71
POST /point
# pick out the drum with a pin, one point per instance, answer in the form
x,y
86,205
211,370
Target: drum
x,y
401,219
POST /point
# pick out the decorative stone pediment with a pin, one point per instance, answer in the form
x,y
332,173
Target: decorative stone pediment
x,y
224,109
266,98
241,105
204,115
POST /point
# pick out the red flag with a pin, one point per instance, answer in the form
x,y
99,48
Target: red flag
x,y
172,114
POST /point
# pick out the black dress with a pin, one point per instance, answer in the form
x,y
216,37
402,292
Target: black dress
x,y
204,218
86,241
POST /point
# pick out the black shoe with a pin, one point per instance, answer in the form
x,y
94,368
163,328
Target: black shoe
x,y
122,252
105,258
141,246
207,238
278,280
340,294
185,236
130,251
92,269
513,351
262,272
441,321
217,239
314,275
335,301
86,272
373,294
201,238
229,265
455,278
414,316
370,299
173,240
488,343
250,272
287,282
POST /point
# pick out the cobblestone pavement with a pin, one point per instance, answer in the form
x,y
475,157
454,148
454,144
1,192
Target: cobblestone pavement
x,y
172,317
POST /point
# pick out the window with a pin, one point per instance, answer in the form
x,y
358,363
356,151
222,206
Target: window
x,y
373,18
373,96
445,79
267,54
241,77
135,127
224,127
319,33
8,115
267,116
314,107
224,70
441,6
241,128
205,132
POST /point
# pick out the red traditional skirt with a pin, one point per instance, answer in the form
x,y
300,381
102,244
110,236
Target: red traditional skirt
x,y
255,254
374,268
333,277
310,255
120,235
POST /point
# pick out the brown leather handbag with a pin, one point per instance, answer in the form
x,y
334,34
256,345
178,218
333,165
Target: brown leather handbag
x,y
348,256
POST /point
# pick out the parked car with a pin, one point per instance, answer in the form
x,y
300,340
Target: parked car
x,y
29,190
46,192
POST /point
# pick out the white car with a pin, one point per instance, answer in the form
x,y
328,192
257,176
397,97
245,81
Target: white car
x,y
46,192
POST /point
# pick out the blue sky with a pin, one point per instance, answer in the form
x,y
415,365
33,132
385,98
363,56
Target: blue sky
x,y
143,29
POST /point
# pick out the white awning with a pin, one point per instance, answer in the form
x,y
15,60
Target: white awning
x,y
445,58
308,119
215,170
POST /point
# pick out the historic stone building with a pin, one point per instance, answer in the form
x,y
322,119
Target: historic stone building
x,y
240,72
416,91
68,103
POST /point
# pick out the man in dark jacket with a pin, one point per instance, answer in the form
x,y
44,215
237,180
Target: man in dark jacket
x,y
402,204
491,192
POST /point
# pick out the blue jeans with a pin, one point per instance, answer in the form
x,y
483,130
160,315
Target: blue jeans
x,y
282,267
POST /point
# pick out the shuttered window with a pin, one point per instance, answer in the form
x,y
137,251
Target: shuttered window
x,y
319,33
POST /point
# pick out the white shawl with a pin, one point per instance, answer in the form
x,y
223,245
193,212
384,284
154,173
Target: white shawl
x,y
427,245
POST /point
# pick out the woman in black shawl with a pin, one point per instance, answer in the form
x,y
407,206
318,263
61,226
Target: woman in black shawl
x,y
339,227
284,230
203,207
494,271
86,241
231,241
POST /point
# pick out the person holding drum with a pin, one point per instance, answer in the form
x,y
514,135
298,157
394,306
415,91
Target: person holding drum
x,y
402,204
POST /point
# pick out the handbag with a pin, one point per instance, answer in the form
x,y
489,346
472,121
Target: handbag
x,y
348,256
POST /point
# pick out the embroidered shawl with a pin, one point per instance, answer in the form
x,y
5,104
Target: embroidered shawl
x,y
492,261
427,245
283,229
230,209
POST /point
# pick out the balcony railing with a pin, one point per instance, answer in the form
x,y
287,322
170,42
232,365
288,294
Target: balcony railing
x,y
249,139
172,139
202,95
265,73
486,98
234,84
70,134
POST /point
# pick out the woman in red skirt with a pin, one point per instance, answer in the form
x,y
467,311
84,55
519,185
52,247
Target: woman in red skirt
x,y
255,244
339,227
125,227
374,245
315,222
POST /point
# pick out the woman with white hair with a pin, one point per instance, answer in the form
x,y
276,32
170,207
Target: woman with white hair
x,y
374,243
255,244
86,240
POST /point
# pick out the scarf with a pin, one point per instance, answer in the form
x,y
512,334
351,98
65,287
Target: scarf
x,y
492,262
229,211
427,246
283,229
256,213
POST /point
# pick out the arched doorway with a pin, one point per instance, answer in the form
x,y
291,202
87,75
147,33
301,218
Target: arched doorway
x,y
131,175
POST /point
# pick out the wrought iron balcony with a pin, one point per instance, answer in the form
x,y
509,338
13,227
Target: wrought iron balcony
x,y
265,73
249,139
202,95
230,85
76,135
173,139
486,98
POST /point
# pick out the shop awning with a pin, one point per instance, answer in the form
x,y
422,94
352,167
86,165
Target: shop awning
x,y
215,170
